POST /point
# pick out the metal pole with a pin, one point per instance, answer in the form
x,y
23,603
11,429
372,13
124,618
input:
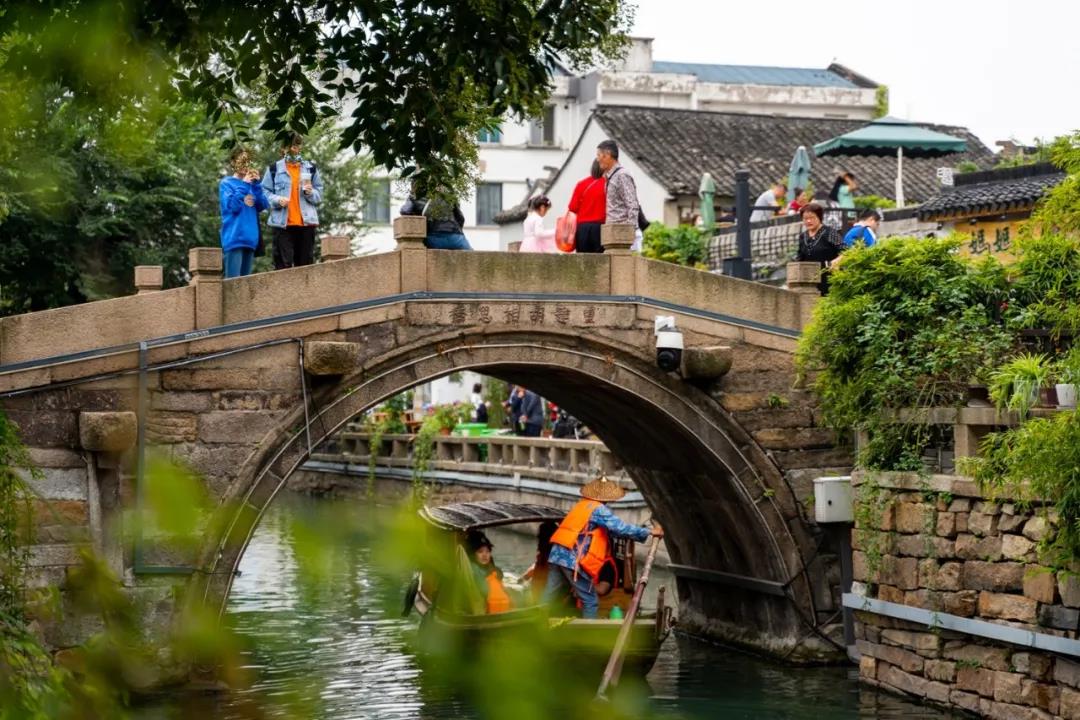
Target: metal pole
x,y
847,574
900,177
740,267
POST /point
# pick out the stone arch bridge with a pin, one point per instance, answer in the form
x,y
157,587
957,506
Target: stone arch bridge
x,y
241,379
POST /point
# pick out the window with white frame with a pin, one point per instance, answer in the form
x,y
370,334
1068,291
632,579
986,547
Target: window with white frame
x,y
377,203
488,202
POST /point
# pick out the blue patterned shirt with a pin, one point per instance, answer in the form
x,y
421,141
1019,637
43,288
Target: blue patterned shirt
x,y
601,517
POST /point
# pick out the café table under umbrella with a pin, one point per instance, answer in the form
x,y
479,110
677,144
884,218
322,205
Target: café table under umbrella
x,y
892,136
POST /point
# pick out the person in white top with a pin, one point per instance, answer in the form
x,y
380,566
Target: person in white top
x,y
769,202
536,237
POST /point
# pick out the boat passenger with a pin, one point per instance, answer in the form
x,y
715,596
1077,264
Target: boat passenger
x,y
538,572
488,575
580,546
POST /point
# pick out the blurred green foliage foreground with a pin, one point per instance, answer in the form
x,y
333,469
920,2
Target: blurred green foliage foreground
x,y
521,675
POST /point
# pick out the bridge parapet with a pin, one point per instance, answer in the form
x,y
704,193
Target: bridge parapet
x,y
576,461
334,292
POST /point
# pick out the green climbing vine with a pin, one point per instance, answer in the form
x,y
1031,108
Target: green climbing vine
x,y
15,519
391,420
872,502
912,327
895,333
423,452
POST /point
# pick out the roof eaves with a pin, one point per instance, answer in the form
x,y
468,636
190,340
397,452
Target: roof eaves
x,y
851,76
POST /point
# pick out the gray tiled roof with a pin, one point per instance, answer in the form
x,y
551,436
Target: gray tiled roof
x,y
994,191
677,146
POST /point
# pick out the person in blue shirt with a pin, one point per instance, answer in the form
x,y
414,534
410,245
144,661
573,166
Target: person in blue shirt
x,y
242,199
581,545
865,230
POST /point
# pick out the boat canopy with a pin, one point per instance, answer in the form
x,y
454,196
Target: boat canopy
x,y
475,515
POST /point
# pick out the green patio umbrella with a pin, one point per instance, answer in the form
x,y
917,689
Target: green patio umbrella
x,y
799,172
892,136
707,192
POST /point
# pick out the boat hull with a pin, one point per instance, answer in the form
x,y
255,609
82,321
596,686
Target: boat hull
x,y
585,642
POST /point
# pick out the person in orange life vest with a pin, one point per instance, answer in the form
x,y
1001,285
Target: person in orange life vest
x,y
294,187
581,545
488,575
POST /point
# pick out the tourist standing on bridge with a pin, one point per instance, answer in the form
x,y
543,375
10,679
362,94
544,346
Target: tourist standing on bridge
x,y
818,242
537,238
621,206
294,188
242,199
581,546
589,205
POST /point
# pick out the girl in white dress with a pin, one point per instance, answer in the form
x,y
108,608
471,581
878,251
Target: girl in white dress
x,y
537,238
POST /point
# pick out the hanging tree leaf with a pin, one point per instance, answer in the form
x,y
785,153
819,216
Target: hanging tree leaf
x,y
431,72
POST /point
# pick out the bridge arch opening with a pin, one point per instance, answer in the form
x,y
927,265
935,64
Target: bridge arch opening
x,y
723,502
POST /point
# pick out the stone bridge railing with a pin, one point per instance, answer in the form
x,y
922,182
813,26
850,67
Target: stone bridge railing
x,y
573,462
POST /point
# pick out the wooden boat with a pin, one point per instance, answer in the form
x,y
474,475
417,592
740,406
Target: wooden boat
x,y
587,640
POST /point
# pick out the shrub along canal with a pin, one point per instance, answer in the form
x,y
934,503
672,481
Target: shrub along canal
x,y
325,639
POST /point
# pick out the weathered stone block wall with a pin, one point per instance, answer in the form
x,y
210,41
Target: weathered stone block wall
x,y
938,544
786,422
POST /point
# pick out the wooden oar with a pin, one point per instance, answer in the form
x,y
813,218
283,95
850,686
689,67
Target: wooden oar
x,y
615,662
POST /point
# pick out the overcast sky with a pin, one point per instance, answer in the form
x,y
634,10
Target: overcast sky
x,y
1003,68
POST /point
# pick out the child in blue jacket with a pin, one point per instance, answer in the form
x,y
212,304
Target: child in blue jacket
x,y
242,199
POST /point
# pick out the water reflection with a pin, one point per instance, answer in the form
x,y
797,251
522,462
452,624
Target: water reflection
x,y
333,645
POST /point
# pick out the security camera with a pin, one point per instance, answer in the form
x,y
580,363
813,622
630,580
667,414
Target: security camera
x,y
669,344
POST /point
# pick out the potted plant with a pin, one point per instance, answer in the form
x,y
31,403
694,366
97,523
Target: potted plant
x,y
1016,384
446,418
1068,377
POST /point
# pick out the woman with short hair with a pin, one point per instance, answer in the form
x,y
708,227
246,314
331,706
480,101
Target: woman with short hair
x,y
818,242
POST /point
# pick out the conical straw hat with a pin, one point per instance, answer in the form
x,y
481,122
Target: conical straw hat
x,y
603,490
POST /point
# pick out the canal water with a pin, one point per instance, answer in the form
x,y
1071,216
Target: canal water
x,y
324,638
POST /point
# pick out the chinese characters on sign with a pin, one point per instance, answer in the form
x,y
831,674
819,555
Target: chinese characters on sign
x,y
978,242
1001,239
535,314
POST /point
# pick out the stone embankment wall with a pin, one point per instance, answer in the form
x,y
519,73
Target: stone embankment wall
x,y
939,545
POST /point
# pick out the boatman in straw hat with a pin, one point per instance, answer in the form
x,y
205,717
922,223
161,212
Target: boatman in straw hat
x,y
581,544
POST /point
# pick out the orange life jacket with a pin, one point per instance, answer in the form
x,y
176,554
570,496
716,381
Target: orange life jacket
x,y
571,534
497,599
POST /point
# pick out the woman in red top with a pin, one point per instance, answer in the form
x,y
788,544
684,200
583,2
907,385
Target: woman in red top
x,y
589,203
